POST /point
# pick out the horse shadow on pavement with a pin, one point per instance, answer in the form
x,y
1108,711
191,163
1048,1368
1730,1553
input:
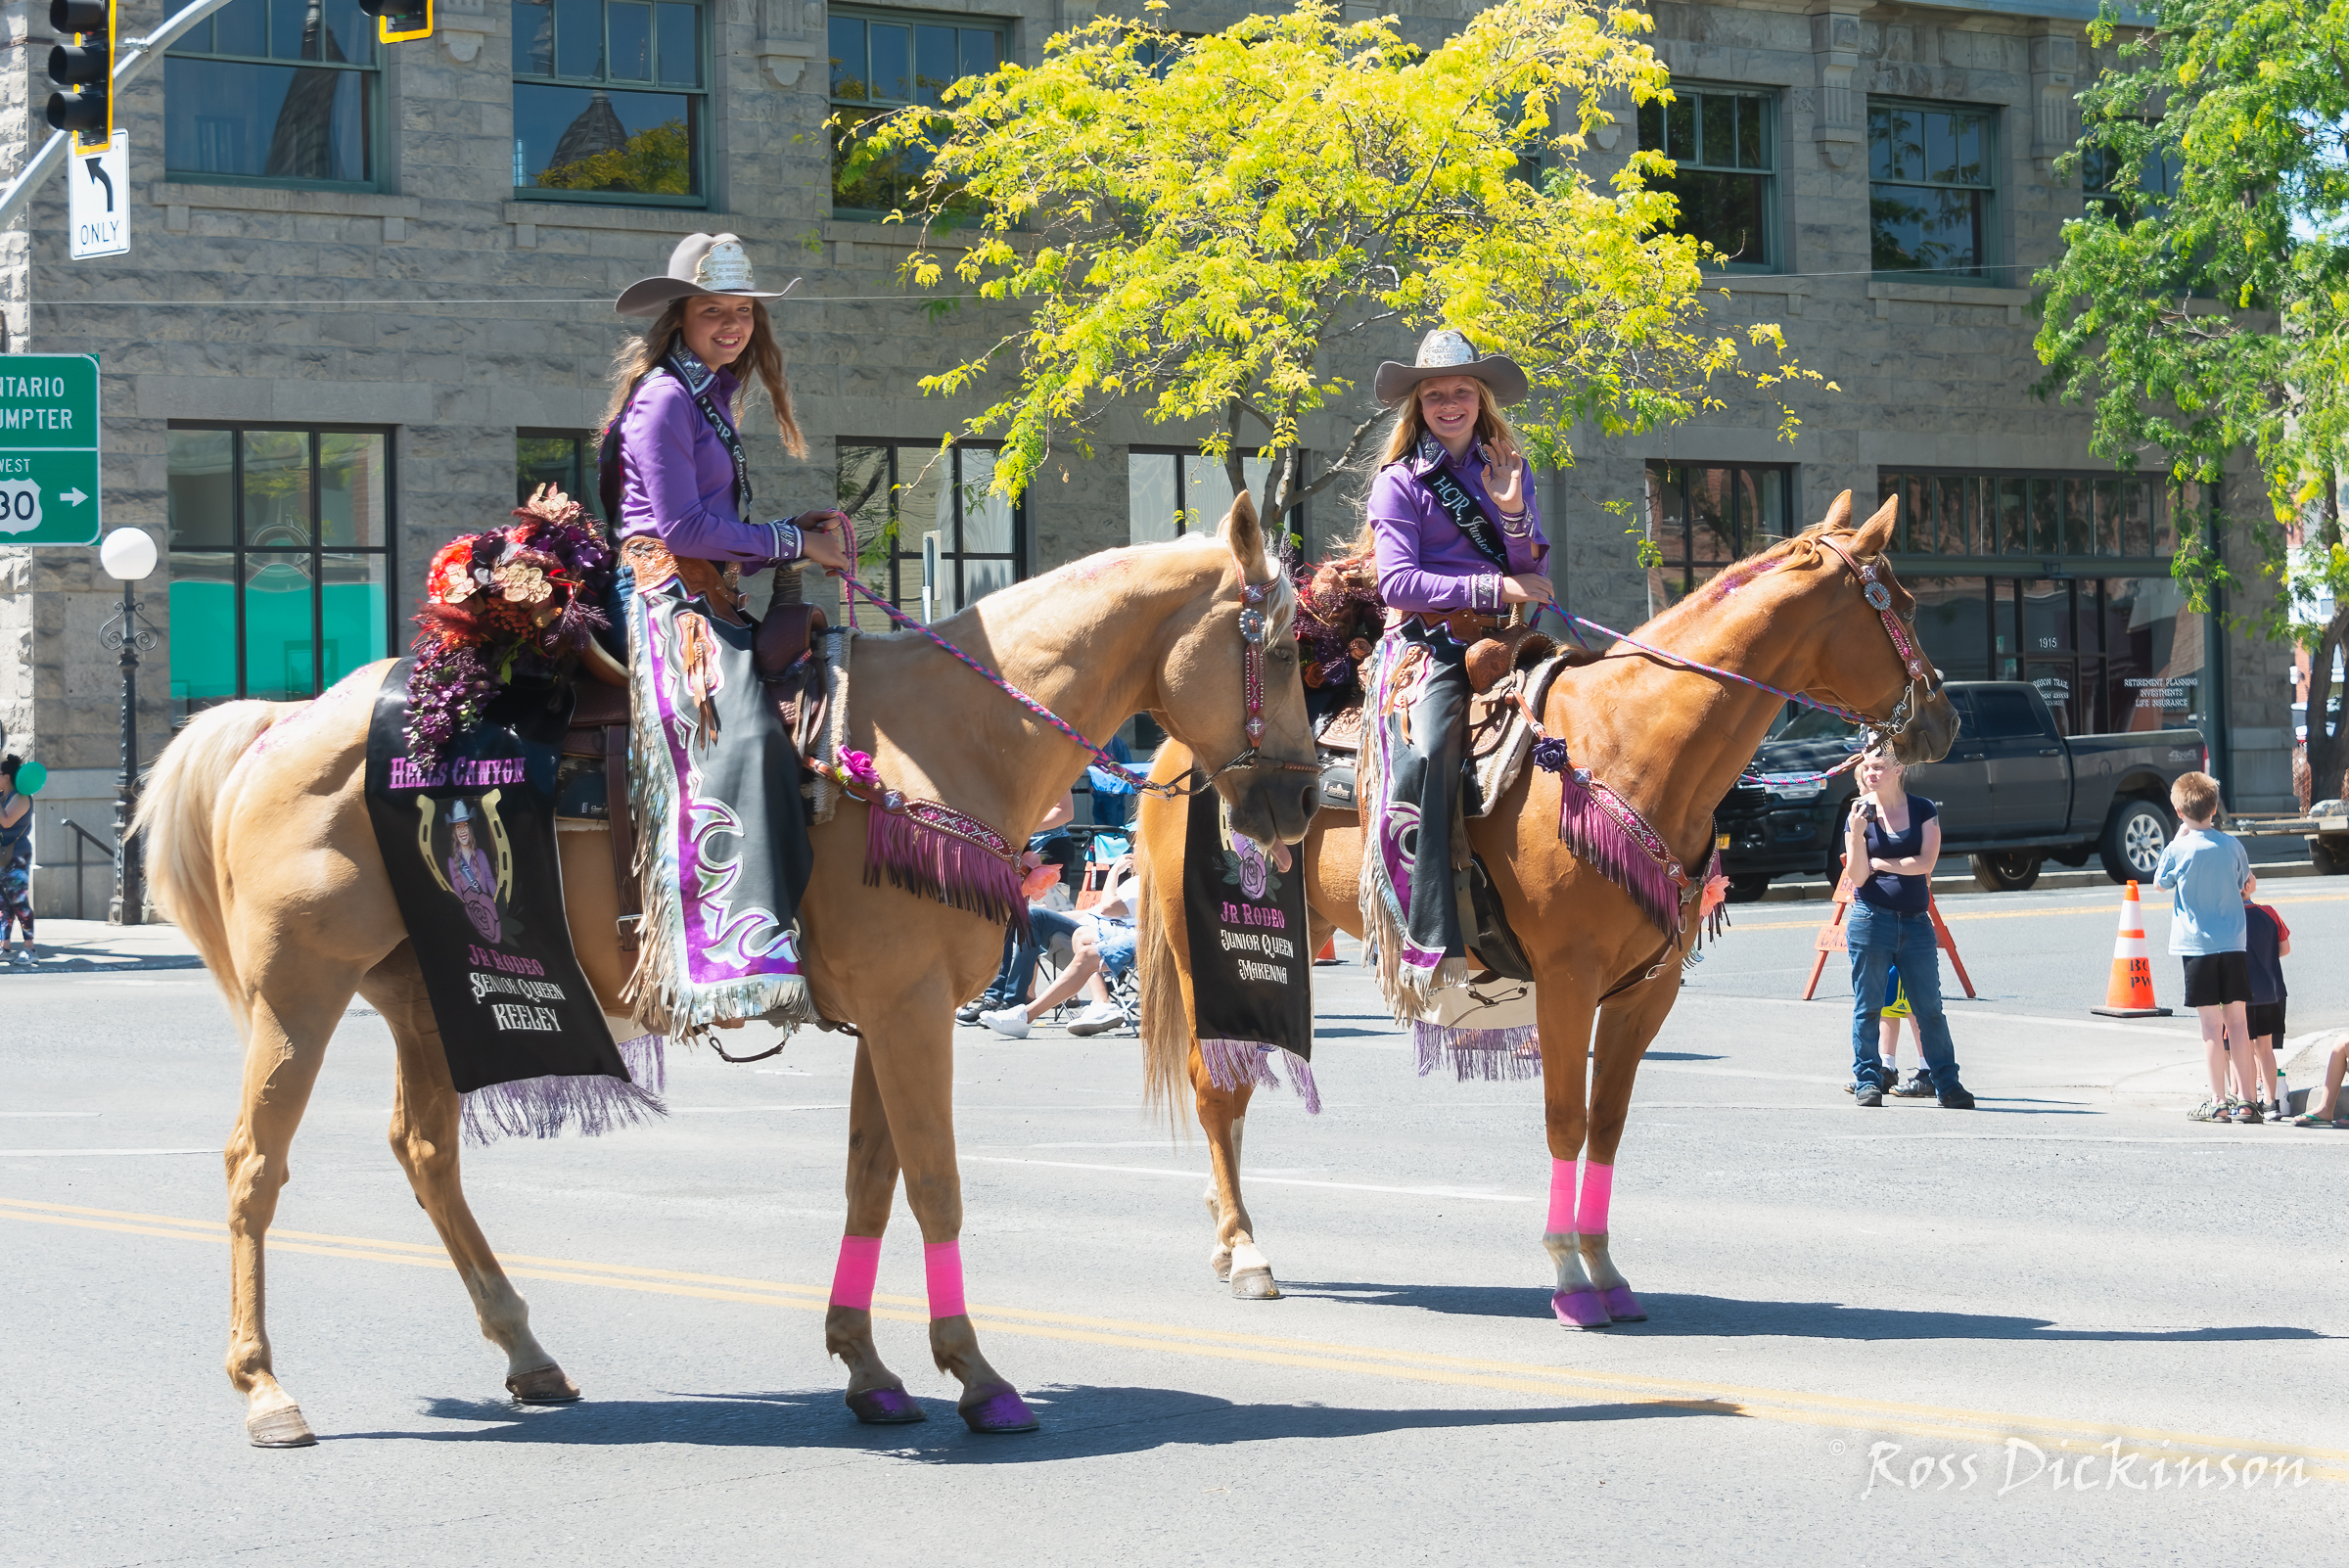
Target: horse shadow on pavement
x,y
1078,1421
1729,1317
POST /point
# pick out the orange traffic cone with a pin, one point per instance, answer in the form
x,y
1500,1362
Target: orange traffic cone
x,y
1329,951
2131,993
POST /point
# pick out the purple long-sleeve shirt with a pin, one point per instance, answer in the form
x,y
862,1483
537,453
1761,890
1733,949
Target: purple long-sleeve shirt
x,y
1424,561
677,479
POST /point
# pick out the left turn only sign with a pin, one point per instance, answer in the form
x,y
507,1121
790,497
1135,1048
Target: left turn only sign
x,y
98,201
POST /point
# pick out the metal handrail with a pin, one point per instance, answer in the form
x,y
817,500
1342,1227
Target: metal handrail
x,y
82,836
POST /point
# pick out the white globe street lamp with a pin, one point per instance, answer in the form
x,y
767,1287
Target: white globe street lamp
x,y
128,556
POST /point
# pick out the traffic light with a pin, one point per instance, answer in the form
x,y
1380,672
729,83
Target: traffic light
x,y
398,21
88,67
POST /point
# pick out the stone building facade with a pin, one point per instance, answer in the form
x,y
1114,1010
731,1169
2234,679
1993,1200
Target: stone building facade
x,y
368,293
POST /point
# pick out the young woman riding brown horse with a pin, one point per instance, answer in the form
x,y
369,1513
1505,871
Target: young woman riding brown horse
x,y
1670,740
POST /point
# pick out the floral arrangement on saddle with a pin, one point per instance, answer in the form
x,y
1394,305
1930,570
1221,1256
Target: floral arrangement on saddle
x,y
523,599
1340,616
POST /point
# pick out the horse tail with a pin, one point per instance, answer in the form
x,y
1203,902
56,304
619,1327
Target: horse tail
x,y
1161,939
177,818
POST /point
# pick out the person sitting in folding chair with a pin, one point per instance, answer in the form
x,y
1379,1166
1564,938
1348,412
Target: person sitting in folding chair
x,y
1104,946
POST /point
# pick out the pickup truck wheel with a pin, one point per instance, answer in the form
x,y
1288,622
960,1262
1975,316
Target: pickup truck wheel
x,y
1748,889
2134,835
2009,871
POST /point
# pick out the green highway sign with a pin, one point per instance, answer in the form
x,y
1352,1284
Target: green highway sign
x,y
49,449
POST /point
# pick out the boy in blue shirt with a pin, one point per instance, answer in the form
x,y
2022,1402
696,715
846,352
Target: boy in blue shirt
x,y
2207,869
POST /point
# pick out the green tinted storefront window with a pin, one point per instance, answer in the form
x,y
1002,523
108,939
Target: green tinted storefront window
x,y
280,559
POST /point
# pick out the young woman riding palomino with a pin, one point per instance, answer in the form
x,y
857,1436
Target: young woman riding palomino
x,y
1458,539
260,844
709,743
1668,721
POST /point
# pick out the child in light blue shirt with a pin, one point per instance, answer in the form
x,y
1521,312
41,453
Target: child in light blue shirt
x,y
2207,869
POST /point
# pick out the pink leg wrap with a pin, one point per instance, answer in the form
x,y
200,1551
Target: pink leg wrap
x,y
941,1261
1598,1185
1561,1197
852,1275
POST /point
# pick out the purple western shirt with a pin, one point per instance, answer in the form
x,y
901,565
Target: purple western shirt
x,y
1424,561
677,479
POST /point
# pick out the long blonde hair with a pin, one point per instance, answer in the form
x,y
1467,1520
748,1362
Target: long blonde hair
x,y
1409,424
761,356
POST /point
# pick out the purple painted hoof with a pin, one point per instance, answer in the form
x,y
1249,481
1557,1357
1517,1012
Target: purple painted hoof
x,y
1581,1308
1623,1306
1005,1411
886,1407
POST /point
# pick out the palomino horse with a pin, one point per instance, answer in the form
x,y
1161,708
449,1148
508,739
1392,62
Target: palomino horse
x,y
1671,741
264,854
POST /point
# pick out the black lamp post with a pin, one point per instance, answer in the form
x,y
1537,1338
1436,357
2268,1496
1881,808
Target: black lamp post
x,y
128,556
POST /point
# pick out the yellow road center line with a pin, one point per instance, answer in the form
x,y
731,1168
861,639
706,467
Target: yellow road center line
x,y
1790,1406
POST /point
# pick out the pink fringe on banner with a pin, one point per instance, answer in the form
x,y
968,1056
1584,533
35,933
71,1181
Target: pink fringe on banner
x,y
934,864
1603,843
1487,1056
1231,1063
590,1103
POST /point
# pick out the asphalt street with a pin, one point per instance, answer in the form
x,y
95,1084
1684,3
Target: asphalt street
x,y
1895,1335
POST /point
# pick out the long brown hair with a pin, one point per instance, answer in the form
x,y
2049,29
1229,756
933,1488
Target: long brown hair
x,y
761,356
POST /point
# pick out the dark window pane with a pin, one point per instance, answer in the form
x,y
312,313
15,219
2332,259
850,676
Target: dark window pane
x,y
630,24
1769,490
850,80
1915,228
2046,519
583,139
1664,510
203,626
2162,503
1949,515
533,39
242,28
1893,151
934,63
1652,127
2014,527
274,121
2108,516
350,490
1912,524
549,460
2137,529
1712,532
1680,127
1957,149
1752,151
893,61
277,489
348,36
1717,114
982,51
578,37
1724,210
203,495
287,18
680,44
354,611
279,642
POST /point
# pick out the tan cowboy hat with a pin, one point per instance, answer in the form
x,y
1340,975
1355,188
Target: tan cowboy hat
x,y
702,263
1446,353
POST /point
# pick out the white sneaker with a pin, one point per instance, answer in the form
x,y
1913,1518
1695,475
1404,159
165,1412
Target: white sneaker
x,y
23,960
1011,1021
1097,1018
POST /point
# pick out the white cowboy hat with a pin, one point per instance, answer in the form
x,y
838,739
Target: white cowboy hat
x,y
1446,353
702,263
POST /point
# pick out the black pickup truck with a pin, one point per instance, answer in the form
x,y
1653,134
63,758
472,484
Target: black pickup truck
x,y
2013,792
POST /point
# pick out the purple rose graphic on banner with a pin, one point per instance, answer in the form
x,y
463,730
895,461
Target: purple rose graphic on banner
x,y
1254,871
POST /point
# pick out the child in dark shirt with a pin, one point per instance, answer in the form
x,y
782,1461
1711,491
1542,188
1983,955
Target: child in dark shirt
x,y
2267,940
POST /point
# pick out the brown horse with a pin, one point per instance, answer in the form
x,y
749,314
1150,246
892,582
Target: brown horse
x,y
1671,741
258,837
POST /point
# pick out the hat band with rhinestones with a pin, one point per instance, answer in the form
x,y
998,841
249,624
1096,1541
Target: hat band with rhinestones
x,y
726,270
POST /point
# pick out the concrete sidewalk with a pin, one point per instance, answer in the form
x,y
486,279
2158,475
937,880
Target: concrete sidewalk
x,y
92,946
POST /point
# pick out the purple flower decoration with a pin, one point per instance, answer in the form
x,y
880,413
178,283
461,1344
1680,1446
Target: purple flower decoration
x,y
1549,753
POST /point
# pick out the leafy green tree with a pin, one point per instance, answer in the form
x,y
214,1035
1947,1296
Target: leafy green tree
x,y
1201,225
2202,302
656,160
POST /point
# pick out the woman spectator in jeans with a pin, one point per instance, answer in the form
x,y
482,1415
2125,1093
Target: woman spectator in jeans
x,y
15,864
1891,841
